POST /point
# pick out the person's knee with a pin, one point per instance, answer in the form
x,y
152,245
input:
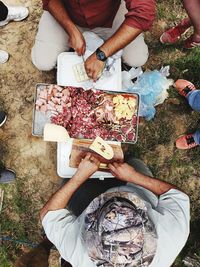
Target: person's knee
x,y
136,58
136,53
43,60
136,62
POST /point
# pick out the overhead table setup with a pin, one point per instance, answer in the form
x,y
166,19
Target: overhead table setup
x,y
101,109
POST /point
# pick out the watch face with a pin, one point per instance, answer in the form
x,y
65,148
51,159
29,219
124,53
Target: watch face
x,y
101,55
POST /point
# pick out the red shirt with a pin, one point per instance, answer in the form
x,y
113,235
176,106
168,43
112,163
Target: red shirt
x,y
101,13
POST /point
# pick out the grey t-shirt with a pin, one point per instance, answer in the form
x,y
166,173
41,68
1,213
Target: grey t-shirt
x,y
170,213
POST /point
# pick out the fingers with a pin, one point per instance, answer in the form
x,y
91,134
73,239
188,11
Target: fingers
x,y
83,49
80,51
113,173
88,156
92,75
95,160
114,168
111,167
92,159
116,165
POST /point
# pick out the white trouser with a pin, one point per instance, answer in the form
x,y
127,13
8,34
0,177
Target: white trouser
x,y
51,40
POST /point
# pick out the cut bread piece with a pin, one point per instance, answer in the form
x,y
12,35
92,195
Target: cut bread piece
x,y
80,73
102,148
55,133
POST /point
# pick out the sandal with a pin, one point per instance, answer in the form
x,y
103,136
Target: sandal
x,y
186,142
184,87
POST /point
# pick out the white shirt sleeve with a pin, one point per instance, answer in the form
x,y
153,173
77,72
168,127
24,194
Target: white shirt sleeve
x,y
174,209
62,229
173,220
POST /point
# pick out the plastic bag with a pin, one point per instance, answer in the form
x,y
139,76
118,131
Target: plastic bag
x,y
152,87
93,41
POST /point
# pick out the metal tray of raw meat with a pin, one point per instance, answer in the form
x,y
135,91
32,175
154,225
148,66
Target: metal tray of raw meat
x,y
40,118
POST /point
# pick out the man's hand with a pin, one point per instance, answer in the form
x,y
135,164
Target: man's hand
x,y
94,67
87,167
122,171
126,173
60,199
77,42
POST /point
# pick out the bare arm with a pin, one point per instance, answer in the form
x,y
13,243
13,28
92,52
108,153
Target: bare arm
x,y
120,39
60,199
59,12
127,173
123,36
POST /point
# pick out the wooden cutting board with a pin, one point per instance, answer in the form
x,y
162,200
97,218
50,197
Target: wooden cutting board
x,y
81,148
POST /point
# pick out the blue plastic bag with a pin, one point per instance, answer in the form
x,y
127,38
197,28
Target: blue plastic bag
x,y
152,87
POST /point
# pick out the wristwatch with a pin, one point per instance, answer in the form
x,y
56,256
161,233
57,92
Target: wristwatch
x,y
100,55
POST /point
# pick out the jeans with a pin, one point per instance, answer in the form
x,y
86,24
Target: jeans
x,y
194,101
3,11
193,98
197,137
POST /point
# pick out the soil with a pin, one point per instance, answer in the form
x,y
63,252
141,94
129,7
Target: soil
x,y
34,160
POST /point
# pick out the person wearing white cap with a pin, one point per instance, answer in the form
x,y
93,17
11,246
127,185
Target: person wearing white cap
x,y
134,220
7,14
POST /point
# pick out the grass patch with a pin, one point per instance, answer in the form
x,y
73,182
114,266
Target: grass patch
x,y
187,67
19,220
4,257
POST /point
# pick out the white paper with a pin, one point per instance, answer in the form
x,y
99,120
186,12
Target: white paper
x,y
66,75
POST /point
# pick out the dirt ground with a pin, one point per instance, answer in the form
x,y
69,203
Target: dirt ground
x,y
35,161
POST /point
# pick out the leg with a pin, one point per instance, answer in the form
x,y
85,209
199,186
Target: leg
x,y
193,9
12,13
197,137
194,99
3,11
136,53
51,40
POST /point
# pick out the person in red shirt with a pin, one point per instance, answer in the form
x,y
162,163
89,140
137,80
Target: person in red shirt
x,y
119,23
